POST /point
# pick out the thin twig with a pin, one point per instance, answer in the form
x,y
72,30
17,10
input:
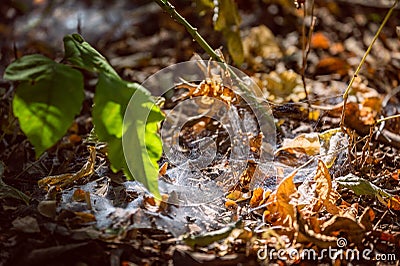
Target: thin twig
x,y
348,89
306,46
170,9
387,118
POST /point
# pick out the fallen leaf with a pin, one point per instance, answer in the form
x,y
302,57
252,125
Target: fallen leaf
x,y
7,191
327,196
337,225
332,65
394,203
304,143
361,186
279,202
26,224
257,197
208,238
47,208
320,41
234,195
366,218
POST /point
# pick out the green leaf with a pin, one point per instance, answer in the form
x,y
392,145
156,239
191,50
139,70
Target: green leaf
x,y
227,15
361,186
47,99
235,46
228,21
82,54
29,68
145,147
7,191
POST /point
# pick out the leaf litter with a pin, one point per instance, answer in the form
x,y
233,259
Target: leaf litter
x,y
298,204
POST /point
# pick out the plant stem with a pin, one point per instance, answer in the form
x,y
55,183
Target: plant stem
x,y
387,118
170,9
346,93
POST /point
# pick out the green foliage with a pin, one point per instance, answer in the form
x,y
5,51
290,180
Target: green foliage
x,y
49,95
361,186
228,21
7,191
82,54
46,100
142,136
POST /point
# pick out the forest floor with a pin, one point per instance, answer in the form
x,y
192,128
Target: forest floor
x,y
333,186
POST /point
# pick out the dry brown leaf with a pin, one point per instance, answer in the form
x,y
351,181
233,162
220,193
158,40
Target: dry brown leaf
x,y
304,143
231,205
79,195
65,180
394,203
354,231
320,41
327,196
366,218
246,177
257,197
279,202
332,65
163,169
255,144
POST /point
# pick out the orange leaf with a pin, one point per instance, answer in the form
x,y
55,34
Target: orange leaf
x,y
257,197
394,203
278,204
327,196
320,41
231,205
332,65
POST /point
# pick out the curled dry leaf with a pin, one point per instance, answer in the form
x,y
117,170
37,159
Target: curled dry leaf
x,y
353,230
259,197
279,203
65,180
256,197
305,143
327,195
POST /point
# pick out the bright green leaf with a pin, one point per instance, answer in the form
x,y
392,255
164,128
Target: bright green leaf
x,y
361,186
145,147
47,99
82,54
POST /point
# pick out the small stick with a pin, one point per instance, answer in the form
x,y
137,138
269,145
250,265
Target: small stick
x,y
170,9
306,45
348,89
